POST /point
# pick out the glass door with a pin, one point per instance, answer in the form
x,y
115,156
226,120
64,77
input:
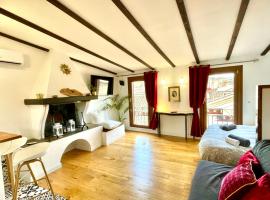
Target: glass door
x,y
138,109
224,96
220,99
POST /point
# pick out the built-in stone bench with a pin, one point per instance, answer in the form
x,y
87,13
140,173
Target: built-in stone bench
x,y
87,140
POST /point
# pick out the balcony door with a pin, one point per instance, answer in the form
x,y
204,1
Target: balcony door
x,y
139,111
223,103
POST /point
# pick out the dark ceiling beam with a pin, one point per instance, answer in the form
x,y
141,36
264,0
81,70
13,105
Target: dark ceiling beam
x,y
24,42
93,66
96,30
137,25
185,20
265,51
47,32
237,26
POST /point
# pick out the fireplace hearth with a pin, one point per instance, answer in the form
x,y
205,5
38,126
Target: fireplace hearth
x,y
62,114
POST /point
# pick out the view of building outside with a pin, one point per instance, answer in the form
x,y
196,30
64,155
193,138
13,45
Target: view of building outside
x,y
220,99
140,105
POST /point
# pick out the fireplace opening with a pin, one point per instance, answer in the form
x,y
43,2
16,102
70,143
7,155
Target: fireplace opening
x,y
62,115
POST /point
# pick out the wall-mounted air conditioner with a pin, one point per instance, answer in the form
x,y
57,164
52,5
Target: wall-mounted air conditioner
x,y
13,57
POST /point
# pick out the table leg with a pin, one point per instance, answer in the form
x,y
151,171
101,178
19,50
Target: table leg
x,y
2,184
10,170
186,127
159,128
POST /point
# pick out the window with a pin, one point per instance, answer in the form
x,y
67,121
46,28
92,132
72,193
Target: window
x,y
139,110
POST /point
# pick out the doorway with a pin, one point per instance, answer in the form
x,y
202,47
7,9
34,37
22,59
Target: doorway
x,y
139,111
223,104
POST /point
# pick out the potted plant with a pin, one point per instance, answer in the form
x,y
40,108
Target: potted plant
x,y
119,104
93,90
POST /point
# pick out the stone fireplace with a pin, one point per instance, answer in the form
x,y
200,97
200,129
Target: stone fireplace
x,y
60,114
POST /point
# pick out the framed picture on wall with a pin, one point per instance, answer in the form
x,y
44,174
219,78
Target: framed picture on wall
x,y
174,93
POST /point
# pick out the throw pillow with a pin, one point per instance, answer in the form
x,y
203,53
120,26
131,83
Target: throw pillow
x,y
262,151
228,127
95,118
236,181
256,166
231,141
260,190
243,141
110,124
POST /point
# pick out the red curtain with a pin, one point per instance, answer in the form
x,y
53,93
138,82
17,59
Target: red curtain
x,y
198,79
150,80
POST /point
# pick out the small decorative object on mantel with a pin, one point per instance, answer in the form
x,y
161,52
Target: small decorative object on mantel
x,y
93,90
174,93
54,96
65,69
39,96
70,92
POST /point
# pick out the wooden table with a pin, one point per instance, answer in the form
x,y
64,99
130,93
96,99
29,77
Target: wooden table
x,y
5,137
174,114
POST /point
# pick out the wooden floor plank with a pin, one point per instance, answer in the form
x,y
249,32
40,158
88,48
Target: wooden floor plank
x,y
137,167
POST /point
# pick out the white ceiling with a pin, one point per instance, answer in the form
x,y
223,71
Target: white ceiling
x,y
212,23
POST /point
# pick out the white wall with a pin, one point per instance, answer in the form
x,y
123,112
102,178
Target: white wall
x,y
166,78
18,82
255,73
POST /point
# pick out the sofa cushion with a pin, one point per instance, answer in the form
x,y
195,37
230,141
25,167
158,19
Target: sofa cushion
x,y
110,124
261,190
236,181
262,151
256,166
95,118
207,179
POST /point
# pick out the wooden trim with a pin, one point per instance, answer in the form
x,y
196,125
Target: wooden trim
x,y
5,137
24,42
91,65
260,95
95,30
240,18
183,13
15,63
138,26
130,80
60,38
238,91
267,49
58,100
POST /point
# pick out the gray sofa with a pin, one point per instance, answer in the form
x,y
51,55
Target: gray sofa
x,y
207,179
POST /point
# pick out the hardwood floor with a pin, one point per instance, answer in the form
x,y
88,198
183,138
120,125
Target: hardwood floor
x,y
138,167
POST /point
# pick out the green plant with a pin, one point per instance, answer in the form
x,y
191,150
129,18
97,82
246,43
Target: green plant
x,y
93,88
119,104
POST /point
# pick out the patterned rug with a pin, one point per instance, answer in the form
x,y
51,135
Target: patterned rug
x,y
28,191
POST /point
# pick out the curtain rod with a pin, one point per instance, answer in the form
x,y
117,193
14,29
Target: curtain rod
x,y
142,73
245,61
229,63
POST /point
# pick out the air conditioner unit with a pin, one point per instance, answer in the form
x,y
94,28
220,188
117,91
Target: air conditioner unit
x,y
13,57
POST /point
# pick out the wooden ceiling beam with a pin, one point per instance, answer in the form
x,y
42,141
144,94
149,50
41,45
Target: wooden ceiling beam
x,y
185,20
239,21
267,49
24,42
91,65
60,38
96,30
137,25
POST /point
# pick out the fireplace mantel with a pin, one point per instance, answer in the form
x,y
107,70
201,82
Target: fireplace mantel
x,y
59,100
